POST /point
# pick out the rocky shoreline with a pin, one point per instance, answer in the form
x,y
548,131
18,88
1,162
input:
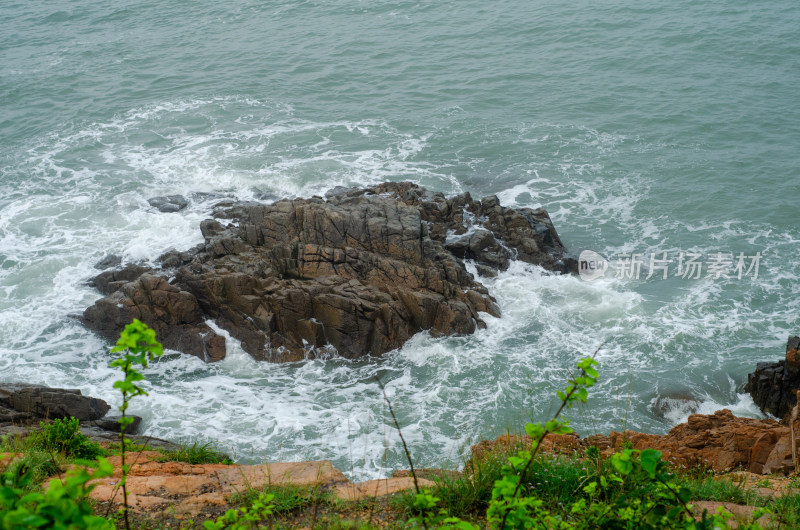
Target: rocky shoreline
x,y
358,273
720,442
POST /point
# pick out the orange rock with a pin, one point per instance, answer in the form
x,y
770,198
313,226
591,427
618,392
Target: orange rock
x,y
720,440
378,488
7,458
181,490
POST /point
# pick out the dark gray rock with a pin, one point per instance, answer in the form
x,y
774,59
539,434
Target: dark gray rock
x,y
111,423
362,271
108,262
109,281
773,386
168,203
36,401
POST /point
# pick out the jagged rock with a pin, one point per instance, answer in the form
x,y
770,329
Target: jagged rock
x,y
168,203
361,272
720,440
109,281
773,385
34,402
683,403
174,314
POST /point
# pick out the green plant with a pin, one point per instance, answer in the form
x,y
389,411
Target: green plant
x,y
138,342
39,464
63,505
719,489
527,512
244,518
65,436
633,489
196,453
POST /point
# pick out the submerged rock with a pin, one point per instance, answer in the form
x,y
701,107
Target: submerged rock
x,y
360,272
168,203
773,386
109,261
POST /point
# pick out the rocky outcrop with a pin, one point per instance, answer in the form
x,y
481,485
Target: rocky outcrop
x,y
23,406
720,441
20,402
158,489
773,386
358,272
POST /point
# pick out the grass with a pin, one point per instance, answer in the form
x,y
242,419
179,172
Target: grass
x,y
287,498
43,465
721,489
47,451
196,453
559,480
115,448
556,480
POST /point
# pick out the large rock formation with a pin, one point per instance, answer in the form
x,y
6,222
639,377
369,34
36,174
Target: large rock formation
x,y
360,271
20,402
773,386
720,441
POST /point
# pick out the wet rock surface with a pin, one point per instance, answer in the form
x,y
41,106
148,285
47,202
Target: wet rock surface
x,y
168,203
359,272
773,386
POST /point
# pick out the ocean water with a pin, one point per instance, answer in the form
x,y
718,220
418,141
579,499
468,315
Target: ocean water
x,y
661,128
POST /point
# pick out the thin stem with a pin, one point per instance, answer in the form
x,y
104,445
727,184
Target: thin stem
x,y
675,494
400,432
564,403
124,470
405,447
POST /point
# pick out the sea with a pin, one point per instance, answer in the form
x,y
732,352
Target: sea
x,y
662,136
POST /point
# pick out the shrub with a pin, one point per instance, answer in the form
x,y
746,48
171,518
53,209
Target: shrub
x,y
65,436
63,505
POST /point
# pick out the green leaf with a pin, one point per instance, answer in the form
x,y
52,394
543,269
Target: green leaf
x,y
534,430
649,460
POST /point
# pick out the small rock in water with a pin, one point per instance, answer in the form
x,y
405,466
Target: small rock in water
x,y
267,196
108,262
111,423
168,203
675,404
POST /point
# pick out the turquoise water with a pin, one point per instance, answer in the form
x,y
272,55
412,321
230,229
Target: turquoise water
x,y
663,128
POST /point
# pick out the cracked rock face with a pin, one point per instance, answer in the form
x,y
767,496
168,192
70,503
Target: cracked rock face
x,y
359,272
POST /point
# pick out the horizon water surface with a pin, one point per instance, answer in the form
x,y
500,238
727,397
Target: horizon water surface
x,y
640,128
